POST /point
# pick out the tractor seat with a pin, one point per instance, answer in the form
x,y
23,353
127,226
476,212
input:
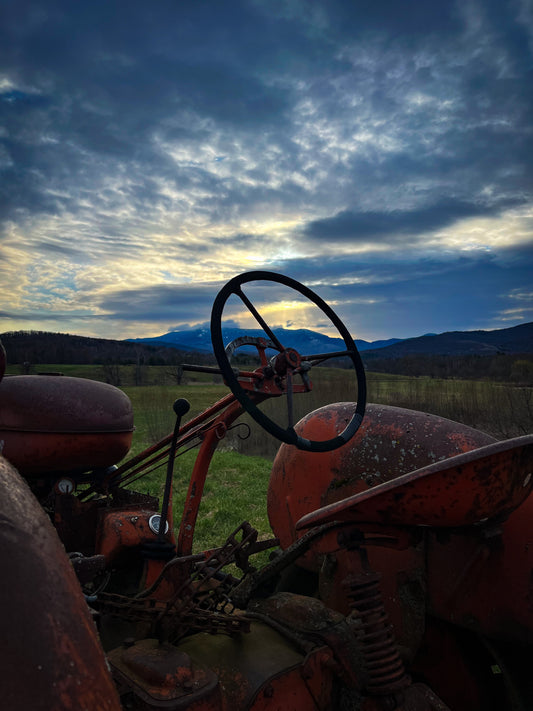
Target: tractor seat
x,y
466,489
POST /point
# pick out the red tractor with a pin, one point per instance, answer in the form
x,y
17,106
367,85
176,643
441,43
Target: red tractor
x,y
400,577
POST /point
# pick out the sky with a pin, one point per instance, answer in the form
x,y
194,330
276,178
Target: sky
x,y
379,152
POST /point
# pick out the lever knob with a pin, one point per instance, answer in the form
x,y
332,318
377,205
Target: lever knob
x,y
181,407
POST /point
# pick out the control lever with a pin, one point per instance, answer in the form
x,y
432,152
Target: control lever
x,y
181,407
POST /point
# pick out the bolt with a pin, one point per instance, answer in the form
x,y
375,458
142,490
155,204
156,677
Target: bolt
x,y
306,672
268,691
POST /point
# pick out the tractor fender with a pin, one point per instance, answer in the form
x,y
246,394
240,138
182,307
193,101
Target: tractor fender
x,y
50,659
391,441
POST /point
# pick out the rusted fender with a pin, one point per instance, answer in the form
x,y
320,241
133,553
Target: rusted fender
x,y
50,657
390,442
485,583
467,489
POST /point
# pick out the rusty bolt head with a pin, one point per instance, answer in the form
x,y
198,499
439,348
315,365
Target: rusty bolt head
x,y
268,691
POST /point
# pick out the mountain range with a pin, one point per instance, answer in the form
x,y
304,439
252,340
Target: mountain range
x,y
517,339
304,340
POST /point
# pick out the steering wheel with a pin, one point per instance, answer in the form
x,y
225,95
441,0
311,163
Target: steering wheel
x,y
276,376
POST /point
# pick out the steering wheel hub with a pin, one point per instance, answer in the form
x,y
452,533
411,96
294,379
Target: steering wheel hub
x,y
289,359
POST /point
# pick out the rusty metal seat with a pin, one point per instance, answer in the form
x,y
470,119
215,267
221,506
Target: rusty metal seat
x,y
470,488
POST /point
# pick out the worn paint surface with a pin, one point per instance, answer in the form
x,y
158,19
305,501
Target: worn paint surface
x,y
391,441
119,529
485,583
464,490
162,675
50,657
63,424
261,670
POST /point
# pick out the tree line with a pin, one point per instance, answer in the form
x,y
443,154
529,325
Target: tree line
x,y
503,367
42,347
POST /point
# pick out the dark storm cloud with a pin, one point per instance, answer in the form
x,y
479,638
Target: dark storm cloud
x,y
55,316
407,298
404,297
373,224
410,17
183,303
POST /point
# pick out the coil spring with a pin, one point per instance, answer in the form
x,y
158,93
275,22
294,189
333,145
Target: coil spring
x,y
385,669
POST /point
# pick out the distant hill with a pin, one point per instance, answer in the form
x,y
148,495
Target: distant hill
x,y
38,347
195,346
302,339
517,339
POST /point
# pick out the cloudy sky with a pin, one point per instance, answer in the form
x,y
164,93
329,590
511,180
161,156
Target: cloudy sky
x,y
379,151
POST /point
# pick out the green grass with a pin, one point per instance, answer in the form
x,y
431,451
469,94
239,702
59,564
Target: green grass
x,y
236,485
121,375
152,407
237,481
500,409
93,372
235,491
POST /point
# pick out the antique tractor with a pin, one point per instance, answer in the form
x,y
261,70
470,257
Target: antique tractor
x,y
400,577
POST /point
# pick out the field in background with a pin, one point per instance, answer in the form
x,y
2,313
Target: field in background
x,y
236,486
500,409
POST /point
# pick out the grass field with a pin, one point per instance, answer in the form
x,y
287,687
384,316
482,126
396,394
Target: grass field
x,y
238,478
500,409
235,491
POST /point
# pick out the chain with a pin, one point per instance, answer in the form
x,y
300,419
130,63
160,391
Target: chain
x,y
201,603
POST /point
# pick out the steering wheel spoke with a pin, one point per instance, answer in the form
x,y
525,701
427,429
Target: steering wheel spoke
x,y
260,320
278,376
321,357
